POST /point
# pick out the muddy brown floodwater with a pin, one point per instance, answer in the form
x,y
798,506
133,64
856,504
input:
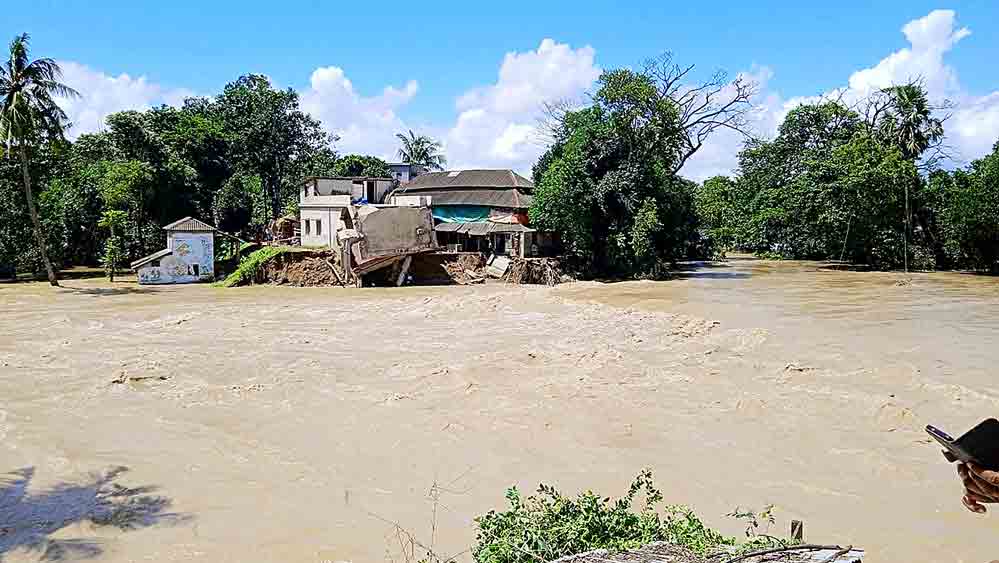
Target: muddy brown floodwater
x,y
286,424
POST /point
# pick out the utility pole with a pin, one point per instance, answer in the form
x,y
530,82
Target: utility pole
x,y
905,235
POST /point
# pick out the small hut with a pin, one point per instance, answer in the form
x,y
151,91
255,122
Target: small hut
x,y
189,256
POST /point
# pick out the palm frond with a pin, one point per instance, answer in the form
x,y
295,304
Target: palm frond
x,y
27,91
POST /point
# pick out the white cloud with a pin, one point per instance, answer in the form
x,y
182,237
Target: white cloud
x,y
102,94
930,37
365,124
971,131
496,124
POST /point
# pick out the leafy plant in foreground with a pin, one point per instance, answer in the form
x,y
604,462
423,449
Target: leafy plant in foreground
x,y
549,525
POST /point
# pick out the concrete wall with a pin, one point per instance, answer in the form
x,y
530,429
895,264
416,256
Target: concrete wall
x,y
193,260
332,191
395,230
329,219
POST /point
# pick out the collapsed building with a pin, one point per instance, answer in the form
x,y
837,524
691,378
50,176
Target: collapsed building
x,y
348,216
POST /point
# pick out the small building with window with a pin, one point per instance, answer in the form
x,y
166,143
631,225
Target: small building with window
x,y
323,202
189,256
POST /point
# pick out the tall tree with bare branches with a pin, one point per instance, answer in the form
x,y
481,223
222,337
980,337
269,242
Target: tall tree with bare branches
x,y
702,107
28,112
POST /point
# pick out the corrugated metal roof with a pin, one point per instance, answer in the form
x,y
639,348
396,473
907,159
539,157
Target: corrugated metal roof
x,y
482,228
154,256
190,225
489,197
470,179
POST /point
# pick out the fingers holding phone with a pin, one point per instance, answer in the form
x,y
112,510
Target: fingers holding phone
x,y
981,487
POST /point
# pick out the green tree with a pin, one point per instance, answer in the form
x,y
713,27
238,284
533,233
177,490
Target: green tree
x,y
233,207
113,255
356,165
125,186
272,137
969,213
28,113
421,150
718,208
903,116
607,183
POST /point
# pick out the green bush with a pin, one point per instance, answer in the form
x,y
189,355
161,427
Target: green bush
x,y
549,525
249,267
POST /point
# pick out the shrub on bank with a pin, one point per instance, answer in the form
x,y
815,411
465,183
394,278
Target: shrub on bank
x,y
249,267
549,525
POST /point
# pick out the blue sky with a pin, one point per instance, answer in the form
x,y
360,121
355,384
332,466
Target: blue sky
x,y
432,55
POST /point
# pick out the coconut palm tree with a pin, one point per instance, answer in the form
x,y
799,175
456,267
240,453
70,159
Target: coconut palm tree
x,y
29,112
909,123
421,150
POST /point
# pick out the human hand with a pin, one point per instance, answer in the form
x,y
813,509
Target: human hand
x,y
981,487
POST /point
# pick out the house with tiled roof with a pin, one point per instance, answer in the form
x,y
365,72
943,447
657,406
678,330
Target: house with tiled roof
x,y
189,256
477,210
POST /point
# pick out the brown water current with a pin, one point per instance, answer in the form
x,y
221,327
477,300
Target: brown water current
x,y
192,423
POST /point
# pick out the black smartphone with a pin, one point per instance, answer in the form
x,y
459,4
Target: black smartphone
x,y
980,445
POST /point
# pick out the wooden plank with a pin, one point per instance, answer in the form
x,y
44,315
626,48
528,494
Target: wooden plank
x,y
405,270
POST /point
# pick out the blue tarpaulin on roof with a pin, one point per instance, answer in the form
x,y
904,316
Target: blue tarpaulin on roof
x,y
461,213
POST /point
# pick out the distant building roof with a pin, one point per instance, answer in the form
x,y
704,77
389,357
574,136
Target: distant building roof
x,y
471,179
482,228
190,225
491,188
154,256
489,197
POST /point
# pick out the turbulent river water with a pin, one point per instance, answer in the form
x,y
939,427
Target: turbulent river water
x,y
309,424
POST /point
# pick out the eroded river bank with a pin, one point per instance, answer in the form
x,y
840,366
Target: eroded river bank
x,y
288,424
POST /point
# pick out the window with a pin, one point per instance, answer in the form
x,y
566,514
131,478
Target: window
x,y
319,227
308,230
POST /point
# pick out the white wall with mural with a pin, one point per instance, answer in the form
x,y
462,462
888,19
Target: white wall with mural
x,y
192,259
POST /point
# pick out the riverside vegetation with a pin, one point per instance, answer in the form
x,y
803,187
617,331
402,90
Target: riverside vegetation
x,y
861,183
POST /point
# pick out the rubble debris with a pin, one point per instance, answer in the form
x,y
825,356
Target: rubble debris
x,y
467,269
313,268
664,552
123,377
497,266
541,271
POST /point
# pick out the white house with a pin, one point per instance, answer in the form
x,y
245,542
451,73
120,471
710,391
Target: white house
x,y
189,256
322,203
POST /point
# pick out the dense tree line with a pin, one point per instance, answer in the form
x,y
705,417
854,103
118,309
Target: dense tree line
x,y
858,184
236,159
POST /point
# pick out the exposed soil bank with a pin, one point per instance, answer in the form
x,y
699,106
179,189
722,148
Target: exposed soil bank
x,y
288,424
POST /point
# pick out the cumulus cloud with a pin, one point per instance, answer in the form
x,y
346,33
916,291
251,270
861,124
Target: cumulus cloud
x,y
930,37
496,124
364,124
971,131
102,94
